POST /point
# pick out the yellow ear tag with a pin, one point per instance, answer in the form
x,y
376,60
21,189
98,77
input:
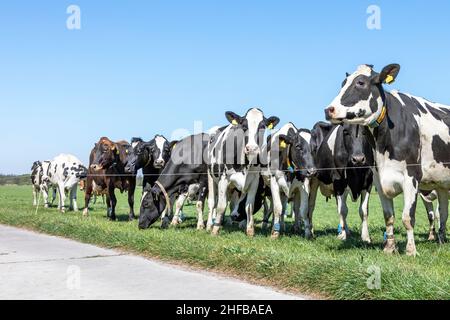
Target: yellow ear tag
x,y
234,122
270,126
126,151
283,144
173,147
389,79
117,151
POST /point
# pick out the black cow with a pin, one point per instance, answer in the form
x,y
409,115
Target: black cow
x,y
149,156
343,156
187,165
412,137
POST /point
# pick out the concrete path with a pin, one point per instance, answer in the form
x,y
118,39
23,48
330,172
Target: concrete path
x,y
36,266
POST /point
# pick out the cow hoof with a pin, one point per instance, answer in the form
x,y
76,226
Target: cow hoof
x,y
367,240
431,236
441,238
215,231
308,235
63,210
411,250
85,212
275,235
342,236
390,247
112,218
208,227
46,206
174,222
296,229
200,226
251,232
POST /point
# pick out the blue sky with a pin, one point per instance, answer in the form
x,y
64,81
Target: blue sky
x,y
137,68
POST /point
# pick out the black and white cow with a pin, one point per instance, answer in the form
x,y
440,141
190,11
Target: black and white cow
x,y
149,156
234,162
412,137
344,157
65,171
186,166
290,166
39,185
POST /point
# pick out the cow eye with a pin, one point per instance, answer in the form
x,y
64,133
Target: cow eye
x,y
360,83
298,147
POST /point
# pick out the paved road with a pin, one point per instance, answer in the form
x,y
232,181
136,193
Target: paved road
x,y
36,266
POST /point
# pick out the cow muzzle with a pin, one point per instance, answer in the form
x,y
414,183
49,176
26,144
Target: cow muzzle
x,y
251,150
159,164
96,167
331,115
358,160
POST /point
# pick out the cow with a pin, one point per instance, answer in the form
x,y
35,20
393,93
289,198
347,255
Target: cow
x,y
234,162
412,144
107,163
344,158
39,185
290,163
186,166
189,192
149,156
65,171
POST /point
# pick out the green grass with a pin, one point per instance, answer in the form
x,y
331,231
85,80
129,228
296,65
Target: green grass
x,y
325,267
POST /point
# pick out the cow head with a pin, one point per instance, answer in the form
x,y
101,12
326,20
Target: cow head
x,y
138,156
361,99
106,153
252,127
355,146
152,205
299,152
160,151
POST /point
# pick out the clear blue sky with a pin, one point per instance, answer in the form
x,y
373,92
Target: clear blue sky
x,y
137,68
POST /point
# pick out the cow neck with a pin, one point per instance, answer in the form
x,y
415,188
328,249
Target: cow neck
x,y
166,195
382,132
380,119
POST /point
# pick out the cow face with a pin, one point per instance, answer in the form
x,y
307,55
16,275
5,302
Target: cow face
x,y
152,206
299,153
252,126
139,155
106,153
357,145
361,99
160,151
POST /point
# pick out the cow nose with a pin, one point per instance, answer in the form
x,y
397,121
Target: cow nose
x,y
159,163
95,167
359,159
329,112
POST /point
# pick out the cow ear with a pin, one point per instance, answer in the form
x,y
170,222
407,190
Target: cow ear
x,y
172,144
285,140
272,122
115,148
233,118
388,74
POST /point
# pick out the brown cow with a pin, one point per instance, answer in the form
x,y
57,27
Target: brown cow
x,y
96,192
107,163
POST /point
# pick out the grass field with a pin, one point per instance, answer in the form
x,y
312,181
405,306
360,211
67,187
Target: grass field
x,y
325,267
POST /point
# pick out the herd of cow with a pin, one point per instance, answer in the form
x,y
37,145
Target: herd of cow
x,y
397,142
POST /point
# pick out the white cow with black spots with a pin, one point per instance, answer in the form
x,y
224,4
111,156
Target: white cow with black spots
x,y
65,171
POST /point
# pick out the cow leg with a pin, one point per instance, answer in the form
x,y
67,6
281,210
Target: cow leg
x,y
364,214
199,207
443,214
250,207
178,207
87,195
221,204
44,191
62,197
212,192
431,216
73,199
313,187
113,202
296,202
131,190
304,207
410,192
266,214
53,195
277,207
341,200
389,218
35,194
